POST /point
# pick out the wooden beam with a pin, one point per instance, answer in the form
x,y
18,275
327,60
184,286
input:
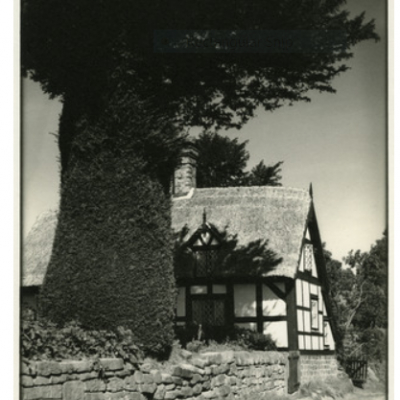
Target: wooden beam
x,y
259,312
293,341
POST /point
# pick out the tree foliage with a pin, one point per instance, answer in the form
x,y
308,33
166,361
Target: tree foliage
x,y
82,49
111,264
222,162
359,295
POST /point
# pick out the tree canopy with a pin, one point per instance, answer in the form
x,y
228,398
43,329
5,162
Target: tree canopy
x,y
82,50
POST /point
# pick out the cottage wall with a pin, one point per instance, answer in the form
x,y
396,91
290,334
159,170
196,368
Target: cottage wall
x,y
314,329
224,375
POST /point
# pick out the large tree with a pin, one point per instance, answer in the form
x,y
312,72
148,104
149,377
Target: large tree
x,y
99,55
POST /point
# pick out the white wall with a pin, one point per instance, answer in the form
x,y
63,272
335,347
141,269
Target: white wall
x,y
272,305
278,332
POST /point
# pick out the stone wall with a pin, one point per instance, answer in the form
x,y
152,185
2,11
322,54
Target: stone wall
x,y
224,375
319,367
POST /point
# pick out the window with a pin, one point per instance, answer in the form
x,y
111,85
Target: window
x,y
205,243
208,311
314,312
308,256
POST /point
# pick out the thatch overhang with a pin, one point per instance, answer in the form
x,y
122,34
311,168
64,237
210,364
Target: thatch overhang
x,y
276,214
37,248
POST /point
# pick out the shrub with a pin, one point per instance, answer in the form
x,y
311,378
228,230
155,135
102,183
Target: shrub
x,y
45,341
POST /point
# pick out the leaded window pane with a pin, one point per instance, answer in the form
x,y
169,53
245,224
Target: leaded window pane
x,y
208,312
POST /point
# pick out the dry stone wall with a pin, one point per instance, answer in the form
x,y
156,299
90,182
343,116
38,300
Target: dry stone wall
x,y
318,367
217,375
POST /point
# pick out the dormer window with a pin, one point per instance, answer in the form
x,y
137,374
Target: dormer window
x,y
205,244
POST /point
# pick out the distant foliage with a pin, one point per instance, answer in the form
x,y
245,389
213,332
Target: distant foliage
x,y
45,341
222,162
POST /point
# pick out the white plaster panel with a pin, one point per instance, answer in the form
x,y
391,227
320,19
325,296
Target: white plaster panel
x,y
314,267
198,289
321,300
278,332
272,305
308,342
324,308
299,292
329,337
308,234
315,343
219,289
300,321
313,289
245,300
306,294
301,342
320,325
181,302
307,321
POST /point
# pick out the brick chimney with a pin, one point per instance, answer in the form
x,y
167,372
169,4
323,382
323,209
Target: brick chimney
x,y
185,174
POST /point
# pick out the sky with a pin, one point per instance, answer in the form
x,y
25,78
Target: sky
x,y
337,142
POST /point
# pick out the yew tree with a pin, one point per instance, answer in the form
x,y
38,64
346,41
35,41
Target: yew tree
x,y
98,57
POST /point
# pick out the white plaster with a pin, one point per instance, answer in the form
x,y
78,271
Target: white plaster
x,y
329,342
314,267
271,304
300,320
324,309
321,301
198,289
244,300
315,343
181,302
307,321
308,234
301,264
313,289
306,294
321,324
278,332
219,289
301,342
308,342
299,293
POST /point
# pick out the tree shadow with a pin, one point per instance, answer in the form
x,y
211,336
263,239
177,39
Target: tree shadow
x,y
230,259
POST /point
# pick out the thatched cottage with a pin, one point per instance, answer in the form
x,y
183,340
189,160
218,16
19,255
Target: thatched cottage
x,y
252,257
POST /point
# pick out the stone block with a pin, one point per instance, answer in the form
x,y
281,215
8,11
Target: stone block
x,y
187,392
88,375
148,378
138,376
147,388
211,394
220,369
166,378
185,354
130,384
219,380
73,390
197,389
95,385
207,385
25,368
222,391
146,367
199,362
160,392
195,379
212,358
233,369
123,373
171,395
115,385
94,396
46,368
156,375
26,381
111,364
31,393
41,381
177,380
207,371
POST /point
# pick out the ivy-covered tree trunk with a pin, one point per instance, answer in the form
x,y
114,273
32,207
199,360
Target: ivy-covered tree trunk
x,y
112,256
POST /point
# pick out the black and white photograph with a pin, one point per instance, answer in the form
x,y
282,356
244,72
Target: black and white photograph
x,y
204,200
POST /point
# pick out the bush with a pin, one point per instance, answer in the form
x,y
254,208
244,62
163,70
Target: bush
x,y
45,341
227,339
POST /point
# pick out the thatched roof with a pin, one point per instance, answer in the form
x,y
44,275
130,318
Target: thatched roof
x,y
252,213
37,248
